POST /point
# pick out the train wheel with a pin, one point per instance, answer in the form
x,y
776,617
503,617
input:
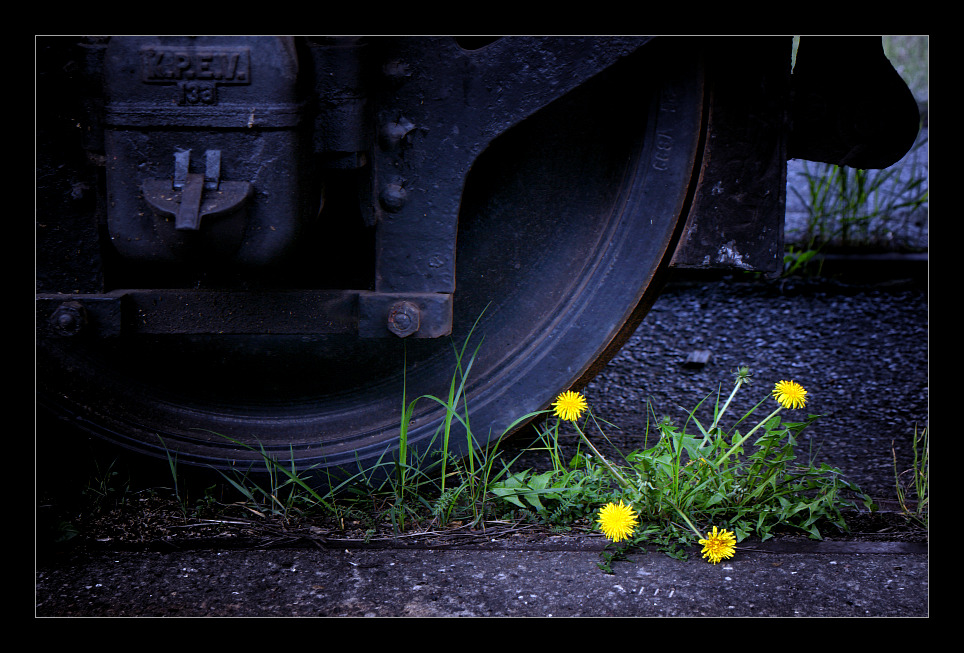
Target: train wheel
x,y
567,224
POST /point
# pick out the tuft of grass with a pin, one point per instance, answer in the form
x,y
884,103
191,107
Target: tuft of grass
x,y
712,471
107,487
850,207
405,491
919,484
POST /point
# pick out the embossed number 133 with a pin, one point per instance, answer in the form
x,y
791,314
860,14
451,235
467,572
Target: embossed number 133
x,y
197,93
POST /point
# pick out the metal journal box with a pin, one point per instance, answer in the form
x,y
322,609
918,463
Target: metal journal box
x,y
203,149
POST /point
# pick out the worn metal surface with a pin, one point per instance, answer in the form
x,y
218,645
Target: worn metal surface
x,y
559,243
737,217
236,242
204,126
276,312
438,106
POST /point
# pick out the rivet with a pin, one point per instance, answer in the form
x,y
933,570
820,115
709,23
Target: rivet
x,y
393,133
393,197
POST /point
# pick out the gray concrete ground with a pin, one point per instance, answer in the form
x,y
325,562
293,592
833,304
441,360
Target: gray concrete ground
x,y
499,582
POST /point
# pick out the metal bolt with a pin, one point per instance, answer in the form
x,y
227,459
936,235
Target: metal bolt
x,y
393,197
403,319
69,319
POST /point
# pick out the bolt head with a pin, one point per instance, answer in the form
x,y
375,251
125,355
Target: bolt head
x,y
69,319
403,319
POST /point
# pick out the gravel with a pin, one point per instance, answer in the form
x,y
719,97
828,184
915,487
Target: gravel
x,y
860,351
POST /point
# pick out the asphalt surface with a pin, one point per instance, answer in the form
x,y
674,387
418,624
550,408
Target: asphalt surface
x,y
860,349
509,582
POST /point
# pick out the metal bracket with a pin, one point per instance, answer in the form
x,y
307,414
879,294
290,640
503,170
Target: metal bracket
x,y
213,312
429,135
191,196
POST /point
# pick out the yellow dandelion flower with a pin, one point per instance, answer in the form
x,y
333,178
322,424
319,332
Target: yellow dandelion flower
x,y
718,545
569,405
790,394
618,522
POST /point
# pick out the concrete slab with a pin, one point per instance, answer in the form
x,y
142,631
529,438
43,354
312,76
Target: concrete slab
x,y
840,580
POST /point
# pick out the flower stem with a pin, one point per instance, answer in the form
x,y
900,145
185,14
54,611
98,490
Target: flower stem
x,y
740,442
619,477
686,519
739,382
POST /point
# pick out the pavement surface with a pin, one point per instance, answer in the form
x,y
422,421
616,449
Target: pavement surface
x,y
547,579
